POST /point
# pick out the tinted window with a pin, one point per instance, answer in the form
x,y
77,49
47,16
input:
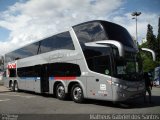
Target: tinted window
x,y
29,50
100,64
95,51
89,32
53,70
12,72
64,69
98,59
116,32
59,41
103,30
26,51
27,72
56,42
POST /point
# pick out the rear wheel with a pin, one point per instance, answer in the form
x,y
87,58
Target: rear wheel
x,y
77,93
16,89
11,86
60,92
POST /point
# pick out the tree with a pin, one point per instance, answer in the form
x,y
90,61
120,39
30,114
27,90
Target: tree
x,y
148,63
1,62
151,43
158,41
151,39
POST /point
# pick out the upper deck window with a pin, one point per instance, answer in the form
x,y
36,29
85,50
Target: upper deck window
x,y
56,42
103,30
89,32
116,32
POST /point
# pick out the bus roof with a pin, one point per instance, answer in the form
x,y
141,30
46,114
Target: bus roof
x,y
98,21
35,41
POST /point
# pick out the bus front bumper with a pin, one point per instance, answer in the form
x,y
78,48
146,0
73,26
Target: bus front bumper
x,y
123,95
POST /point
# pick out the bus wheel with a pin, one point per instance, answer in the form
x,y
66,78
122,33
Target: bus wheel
x,y
12,86
16,89
60,92
77,94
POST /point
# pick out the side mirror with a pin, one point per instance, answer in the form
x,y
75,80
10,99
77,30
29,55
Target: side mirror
x,y
108,42
151,51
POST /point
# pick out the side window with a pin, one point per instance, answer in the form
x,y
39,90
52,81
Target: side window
x,y
100,64
89,32
64,70
27,72
56,42
29,50
30,71
26,51
21,72
98,59
12,72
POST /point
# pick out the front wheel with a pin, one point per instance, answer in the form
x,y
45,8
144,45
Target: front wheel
x,y
77,94
60,91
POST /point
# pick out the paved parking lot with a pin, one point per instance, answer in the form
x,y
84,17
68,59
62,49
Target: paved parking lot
x,y
31,103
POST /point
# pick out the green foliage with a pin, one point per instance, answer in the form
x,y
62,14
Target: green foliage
x,y
158,42
151,39
154,44
144,45
148,63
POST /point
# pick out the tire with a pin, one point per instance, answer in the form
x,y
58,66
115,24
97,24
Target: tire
x,y
77,93
60,92
16,89
12,86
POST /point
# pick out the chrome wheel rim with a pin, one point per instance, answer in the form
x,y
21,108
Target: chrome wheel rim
x,y
60,91
77,93
16,87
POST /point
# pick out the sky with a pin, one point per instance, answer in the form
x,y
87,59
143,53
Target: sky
x,y
24,21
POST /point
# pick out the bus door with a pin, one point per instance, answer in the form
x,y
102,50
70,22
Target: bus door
x,y
98,84
37,85
44,78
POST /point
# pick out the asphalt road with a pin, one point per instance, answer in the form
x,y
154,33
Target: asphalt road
x,y
31,103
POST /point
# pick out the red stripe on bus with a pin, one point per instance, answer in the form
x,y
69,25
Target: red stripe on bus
x,y
65,78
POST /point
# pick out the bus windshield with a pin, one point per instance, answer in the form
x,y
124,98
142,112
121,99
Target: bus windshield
x,y
128,68
99,59
118,33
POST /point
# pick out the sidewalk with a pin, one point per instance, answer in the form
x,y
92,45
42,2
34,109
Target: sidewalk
x,y
156,86
3,89
1,82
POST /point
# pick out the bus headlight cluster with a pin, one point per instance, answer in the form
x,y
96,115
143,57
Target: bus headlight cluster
x,y
121,94
119,85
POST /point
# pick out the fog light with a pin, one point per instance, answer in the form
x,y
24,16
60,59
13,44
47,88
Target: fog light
x,y
121,94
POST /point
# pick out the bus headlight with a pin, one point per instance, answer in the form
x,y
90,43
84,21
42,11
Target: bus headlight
x,y
119,85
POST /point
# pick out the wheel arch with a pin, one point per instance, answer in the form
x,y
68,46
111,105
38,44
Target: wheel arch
x,y
71,84
55,85
15,81
10,83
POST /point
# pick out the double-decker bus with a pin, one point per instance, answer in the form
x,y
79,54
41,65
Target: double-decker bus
x,y
95,60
